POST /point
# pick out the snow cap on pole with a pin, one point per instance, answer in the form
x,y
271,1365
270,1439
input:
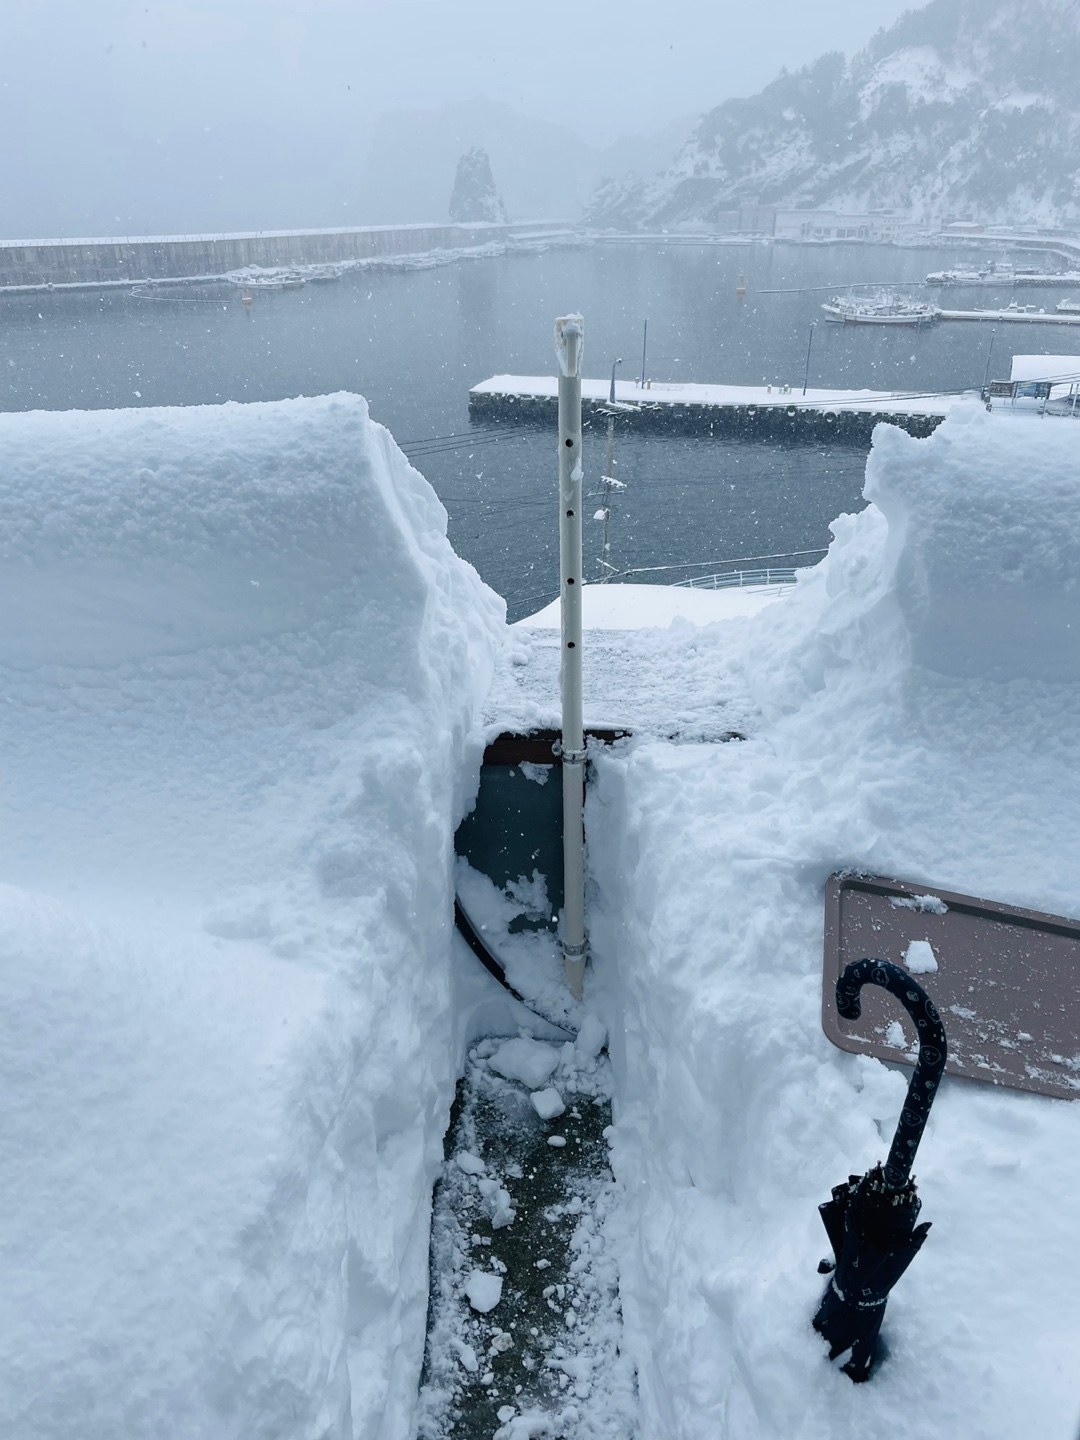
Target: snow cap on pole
x,y
570,342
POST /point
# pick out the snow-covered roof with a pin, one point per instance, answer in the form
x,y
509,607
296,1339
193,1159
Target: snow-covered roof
x,y
1046,367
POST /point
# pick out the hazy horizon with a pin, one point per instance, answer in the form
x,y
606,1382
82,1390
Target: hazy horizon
x,y
173,117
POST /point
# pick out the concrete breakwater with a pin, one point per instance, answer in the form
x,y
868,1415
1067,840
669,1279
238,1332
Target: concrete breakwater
x,y
45,264
744,410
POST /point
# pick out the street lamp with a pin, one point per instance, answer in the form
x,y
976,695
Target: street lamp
x,y
611,396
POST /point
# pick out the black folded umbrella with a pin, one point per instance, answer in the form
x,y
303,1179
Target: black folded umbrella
x,y
870,1221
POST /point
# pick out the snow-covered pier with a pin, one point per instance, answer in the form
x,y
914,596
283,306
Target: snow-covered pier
x,y
1015,315
686,409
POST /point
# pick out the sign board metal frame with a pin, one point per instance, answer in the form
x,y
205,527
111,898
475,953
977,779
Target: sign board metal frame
x,y
1007,982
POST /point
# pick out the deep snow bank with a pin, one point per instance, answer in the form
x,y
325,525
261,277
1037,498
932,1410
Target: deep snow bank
x,y
920,705
239,665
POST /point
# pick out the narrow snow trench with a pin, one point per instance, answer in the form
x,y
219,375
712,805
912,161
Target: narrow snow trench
x,y
525,1327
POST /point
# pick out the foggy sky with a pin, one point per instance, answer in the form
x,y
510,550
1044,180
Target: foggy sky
x,y
172,116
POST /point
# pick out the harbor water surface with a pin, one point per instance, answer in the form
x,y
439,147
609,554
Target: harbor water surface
x,y
414,341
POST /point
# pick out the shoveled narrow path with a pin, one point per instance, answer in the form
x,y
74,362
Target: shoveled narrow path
x,y
524,1326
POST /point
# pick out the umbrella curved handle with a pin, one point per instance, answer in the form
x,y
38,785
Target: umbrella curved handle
x,y
933,1052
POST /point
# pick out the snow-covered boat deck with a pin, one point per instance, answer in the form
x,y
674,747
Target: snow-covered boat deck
x,y
708,408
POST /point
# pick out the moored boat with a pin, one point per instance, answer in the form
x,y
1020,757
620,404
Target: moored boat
x,y
1000,272
254,277
1068,307
881,309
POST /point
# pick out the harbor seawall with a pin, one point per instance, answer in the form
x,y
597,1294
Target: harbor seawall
x,y
39,264
748,421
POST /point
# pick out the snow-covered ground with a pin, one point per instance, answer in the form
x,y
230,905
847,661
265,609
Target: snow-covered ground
x,y
914,711
639,607
911,708
245,680
240,668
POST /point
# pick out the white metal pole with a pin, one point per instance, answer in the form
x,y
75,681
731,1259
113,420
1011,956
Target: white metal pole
x,y
609,476
569,340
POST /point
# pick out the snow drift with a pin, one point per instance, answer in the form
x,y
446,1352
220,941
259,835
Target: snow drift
x,y
919,716
240,666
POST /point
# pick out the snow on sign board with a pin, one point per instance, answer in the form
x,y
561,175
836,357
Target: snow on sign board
x,y
1006,981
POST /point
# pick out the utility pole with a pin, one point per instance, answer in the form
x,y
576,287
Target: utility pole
x,y
609,476
989,353
809,347
569,340
608,480
644,347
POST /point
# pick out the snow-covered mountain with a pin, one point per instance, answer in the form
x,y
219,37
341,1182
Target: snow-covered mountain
x,y
964,107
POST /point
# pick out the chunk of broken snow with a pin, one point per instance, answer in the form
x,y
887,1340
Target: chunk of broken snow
x,y
529,1061
557,1140
925,904
484,1290
471,1164
548,1103
894,1035
578,1367
538,774
920,958
502,1211
526,1427
590,1038
466,1354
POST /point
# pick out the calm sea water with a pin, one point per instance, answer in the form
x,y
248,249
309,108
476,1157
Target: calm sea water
x,y
414,342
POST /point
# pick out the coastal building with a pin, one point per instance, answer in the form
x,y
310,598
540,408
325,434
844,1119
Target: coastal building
x,y
882,225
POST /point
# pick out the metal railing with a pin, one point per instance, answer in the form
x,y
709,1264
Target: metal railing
x,y
731,565
732,579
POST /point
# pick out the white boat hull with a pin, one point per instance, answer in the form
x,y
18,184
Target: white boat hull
x,y
841,317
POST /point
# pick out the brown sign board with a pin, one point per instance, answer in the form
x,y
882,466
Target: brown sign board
x,y
1005,981
539,747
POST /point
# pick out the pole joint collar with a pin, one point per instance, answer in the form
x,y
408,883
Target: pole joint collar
x,y
569,757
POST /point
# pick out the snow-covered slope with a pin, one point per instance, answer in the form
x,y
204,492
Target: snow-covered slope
x,y
239,665
918,702
962,107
